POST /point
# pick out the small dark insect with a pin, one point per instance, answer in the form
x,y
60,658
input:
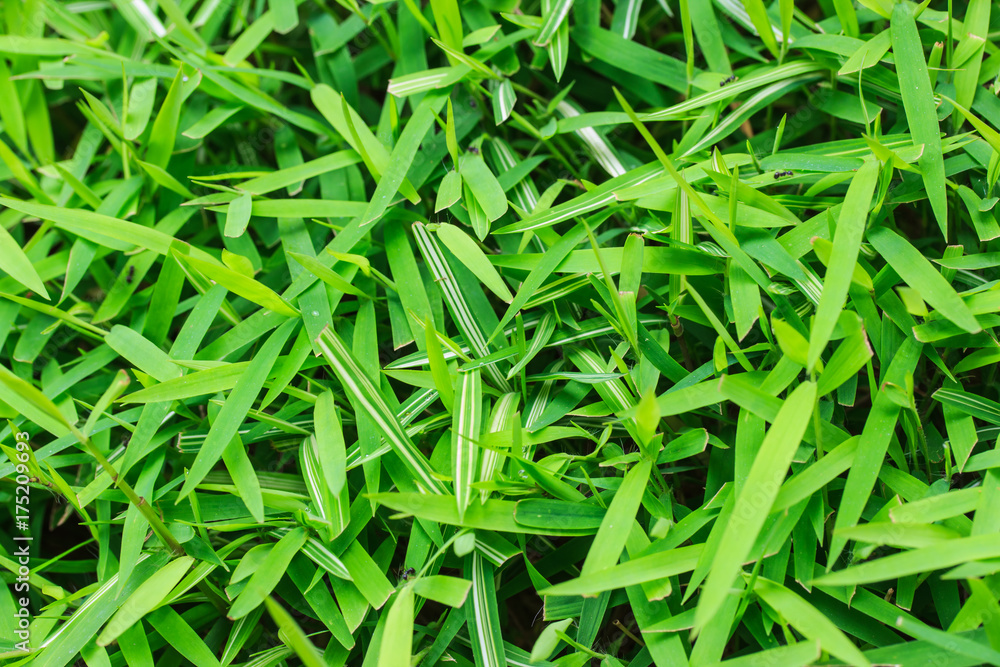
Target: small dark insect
x,y
472,104
729,79
474,150
779,174
407,573
131,275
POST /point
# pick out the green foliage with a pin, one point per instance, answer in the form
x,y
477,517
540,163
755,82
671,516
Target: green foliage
x,y
488,333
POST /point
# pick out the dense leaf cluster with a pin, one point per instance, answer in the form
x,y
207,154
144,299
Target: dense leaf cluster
x,y
494,333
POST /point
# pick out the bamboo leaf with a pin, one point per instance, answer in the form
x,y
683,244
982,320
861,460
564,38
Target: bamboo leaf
x,y
920,274
756,498
843,258
918,100
466,250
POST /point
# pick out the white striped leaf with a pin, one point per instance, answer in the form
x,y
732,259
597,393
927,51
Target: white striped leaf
x,y
494,548
503,101
467,425
538,405
588,329
555,15
596,145
240,634
558,46
599,197
754,102
525,195
367,398
421,82
612,391
457,305
626,18
333,508
738,88
481,614
970,404
546,327
325,558
502,419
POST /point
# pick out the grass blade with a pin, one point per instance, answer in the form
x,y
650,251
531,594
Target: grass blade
x,y
756,498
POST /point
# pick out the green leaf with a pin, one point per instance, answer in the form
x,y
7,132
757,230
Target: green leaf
x,y
935,557
327,275
449,22
142,353
16,264
617,523
640,570
843,259
948,641
144,599
761,22
397,637
403,156
484,187
548,640
849,358
970,404
630,56
181,637
355,132
756,498
328,443
867,54
495,515
200,383
237,283
238,215
164,132
470,254
235,409
449,192
450,591
848,17
809,621
286,16
263,581
299,641
439,368
206,124
918,100
878,430
921,275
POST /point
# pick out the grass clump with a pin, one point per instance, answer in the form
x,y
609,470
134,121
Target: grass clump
x,y
493,333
